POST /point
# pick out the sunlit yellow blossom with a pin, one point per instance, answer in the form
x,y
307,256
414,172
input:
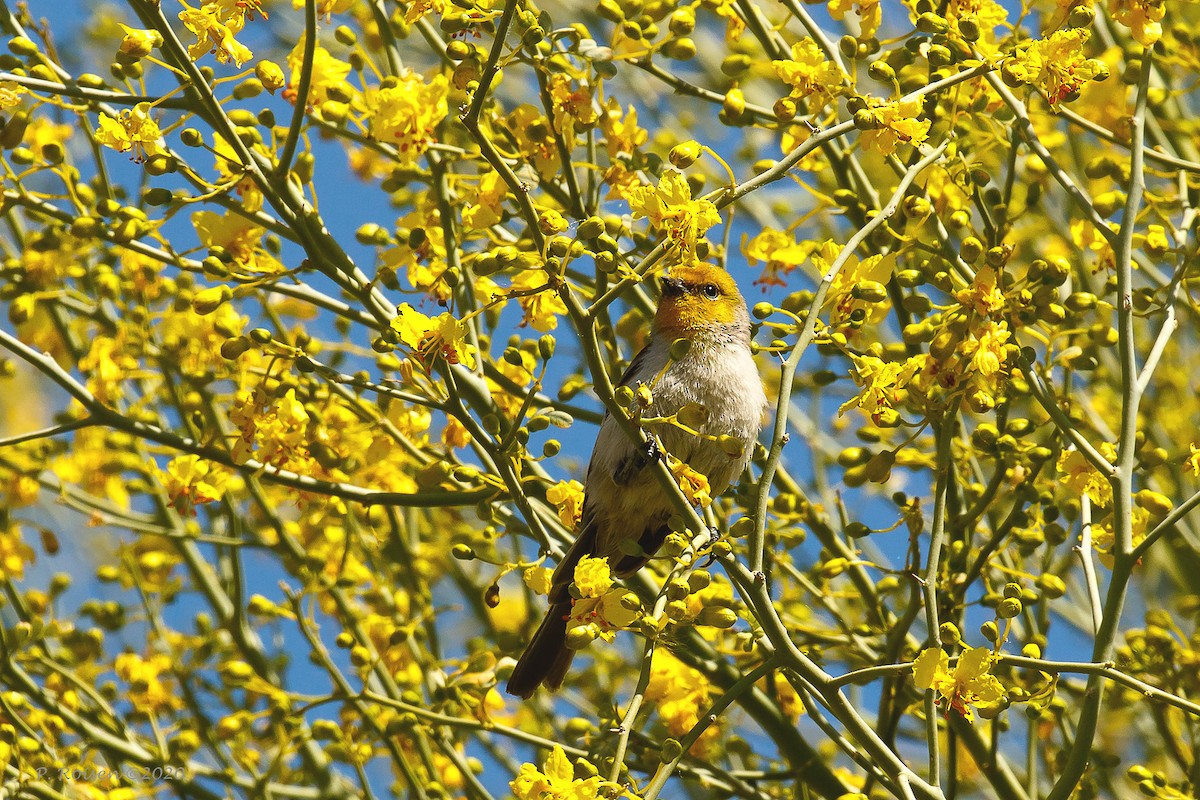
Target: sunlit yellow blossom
x,y
277,427
556,781
622,136
1057,65
670,206
986,348
215,29
538,299
488,208
191,481
1082,478
240,238
808,72
1156,242
108,364
841,300
983,296
14,553
680,694
567,497
781,253
601,617
970,683
573,107
535,139
419,8
406,114
1144,18
326,8
133,129
693,484
539,579
869,13
897,123
10,93
94,464
592,576
430,338
1193,460
882,382
327,72
987,15
150,682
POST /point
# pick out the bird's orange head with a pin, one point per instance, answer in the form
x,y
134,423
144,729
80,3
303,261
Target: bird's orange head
x,y
700,297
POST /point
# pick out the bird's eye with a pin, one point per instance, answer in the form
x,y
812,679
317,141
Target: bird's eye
x,y
711,291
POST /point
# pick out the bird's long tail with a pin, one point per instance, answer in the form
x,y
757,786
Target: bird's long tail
x,y
547,658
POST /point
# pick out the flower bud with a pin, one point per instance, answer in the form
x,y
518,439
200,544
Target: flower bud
x,y
718,617
1009,607
271,75
684,154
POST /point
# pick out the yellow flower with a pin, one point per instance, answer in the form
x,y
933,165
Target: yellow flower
x,y
897,123
133,129
622,136
10,93
538,579
1193,460
14,553
326,8
573,106
876,268
780,252
869,14
593,577
670,206
883,382
984,296
556,781
430,338
147,690
567,497
1143,18
108,364
488,208
693,484
986,348
407,114
540,302
215,29
239,237
807,71
1057,65
327,72
969,684
191,481
271,75
1082,478
680,694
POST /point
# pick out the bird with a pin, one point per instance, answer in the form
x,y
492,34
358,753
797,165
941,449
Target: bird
x,y
623,501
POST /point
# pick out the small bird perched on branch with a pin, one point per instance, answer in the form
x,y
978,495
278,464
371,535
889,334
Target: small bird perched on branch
x,y
624,503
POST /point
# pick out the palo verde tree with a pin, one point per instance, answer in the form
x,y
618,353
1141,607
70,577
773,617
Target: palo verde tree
x,y
312,309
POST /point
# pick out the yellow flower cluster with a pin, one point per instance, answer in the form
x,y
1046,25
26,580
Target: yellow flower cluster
x,y
556,781
670,207
216,24
602,608
1056,65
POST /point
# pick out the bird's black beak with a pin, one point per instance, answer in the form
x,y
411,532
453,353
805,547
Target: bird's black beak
x,y
671,287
